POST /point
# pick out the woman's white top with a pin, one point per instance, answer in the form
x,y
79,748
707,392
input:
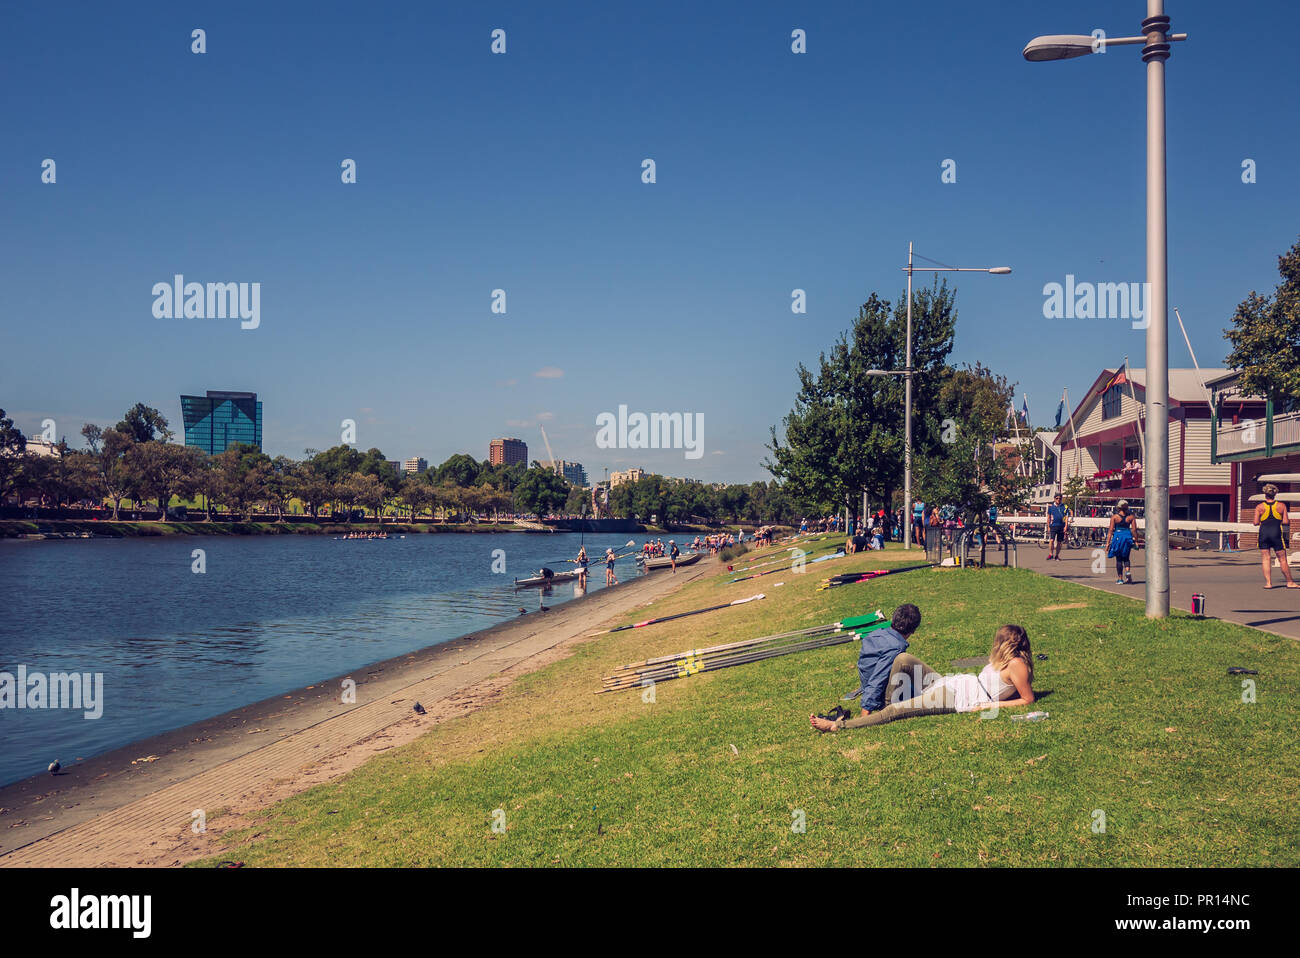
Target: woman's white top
x,y
971,691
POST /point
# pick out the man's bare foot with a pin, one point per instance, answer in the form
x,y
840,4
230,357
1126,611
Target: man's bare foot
x,y
823,725
1292,585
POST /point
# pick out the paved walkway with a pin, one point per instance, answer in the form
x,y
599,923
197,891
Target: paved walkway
x,y
92,823
1233,583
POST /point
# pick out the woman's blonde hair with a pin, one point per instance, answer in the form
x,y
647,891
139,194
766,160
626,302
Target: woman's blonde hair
x,y
1011,642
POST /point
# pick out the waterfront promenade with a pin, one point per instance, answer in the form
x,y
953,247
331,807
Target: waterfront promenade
x,y
117,809
1232,582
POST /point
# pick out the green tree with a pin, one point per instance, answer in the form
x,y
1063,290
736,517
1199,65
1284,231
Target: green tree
x,y
160,469
109,448
144,424
13,455
845,435
461,469
241,473
541,492
1265,336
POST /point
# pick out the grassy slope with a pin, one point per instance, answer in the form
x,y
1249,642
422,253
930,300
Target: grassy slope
x,y
1145,725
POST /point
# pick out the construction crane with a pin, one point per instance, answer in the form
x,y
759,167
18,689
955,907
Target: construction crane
x,y
554,465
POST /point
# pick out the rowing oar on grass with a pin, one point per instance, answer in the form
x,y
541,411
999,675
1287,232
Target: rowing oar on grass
x,y
679,615
850,578
784,568
717,657
761,565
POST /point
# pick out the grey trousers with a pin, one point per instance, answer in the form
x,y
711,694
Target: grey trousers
x,y
910,676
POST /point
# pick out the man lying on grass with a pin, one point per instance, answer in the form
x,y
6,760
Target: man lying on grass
x,y
1007,680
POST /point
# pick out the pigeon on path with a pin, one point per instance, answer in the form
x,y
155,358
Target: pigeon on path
x,y
54,767
419,709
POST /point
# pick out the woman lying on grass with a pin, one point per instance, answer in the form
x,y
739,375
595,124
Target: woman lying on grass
x,y
1007,680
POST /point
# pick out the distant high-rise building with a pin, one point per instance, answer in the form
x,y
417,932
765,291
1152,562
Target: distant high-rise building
x,y
572,471
628,475
507,452
415,464
222,417
396,464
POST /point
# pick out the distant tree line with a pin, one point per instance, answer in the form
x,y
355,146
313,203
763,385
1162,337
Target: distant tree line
x,y
137,460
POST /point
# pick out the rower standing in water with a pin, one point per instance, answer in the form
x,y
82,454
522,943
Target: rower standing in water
x,y
582,568
610,577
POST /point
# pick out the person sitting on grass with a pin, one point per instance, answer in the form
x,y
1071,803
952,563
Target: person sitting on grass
x,y
1006,681
880,649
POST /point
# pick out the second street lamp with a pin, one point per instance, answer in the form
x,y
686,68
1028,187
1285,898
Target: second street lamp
x,y
908,372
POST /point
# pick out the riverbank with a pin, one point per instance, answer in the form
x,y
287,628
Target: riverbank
x,y
135,805
1151,755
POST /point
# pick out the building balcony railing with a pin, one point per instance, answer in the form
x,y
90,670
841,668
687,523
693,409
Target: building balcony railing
x,y
1246,436
1286,429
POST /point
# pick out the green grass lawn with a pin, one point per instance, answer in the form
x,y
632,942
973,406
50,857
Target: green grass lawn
x,y
1145,728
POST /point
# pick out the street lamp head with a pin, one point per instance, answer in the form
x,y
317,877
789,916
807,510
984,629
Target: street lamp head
x,y
1062,46
1000,270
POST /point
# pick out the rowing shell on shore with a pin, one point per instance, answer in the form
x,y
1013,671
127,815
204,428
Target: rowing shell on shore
x,y
536,580
664,562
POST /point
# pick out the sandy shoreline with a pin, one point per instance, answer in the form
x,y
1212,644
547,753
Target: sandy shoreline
x,y
134,805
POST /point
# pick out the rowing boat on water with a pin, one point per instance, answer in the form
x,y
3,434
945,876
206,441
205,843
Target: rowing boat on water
x,y
536,580
663,562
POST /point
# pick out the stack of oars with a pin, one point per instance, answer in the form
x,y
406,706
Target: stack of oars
x,y
850,578
693,661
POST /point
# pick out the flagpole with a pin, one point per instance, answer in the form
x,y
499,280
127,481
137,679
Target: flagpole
x,y
1074,433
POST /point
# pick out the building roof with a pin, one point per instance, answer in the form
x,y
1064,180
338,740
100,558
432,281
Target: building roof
x,y
1186,387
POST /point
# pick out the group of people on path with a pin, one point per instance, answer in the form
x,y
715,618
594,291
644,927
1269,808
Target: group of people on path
x,y
1271,518
824,524
713,544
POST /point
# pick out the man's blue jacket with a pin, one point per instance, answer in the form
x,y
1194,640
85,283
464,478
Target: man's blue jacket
x,y
879,647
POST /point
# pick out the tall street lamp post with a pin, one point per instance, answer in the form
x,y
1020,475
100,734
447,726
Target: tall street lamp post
x,y
1156,39
908,372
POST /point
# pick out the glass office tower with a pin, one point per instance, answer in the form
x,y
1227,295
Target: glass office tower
x,y
214,421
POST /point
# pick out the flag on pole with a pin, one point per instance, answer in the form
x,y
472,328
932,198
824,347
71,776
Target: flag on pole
x,y
1118,379
1060,411
1024,409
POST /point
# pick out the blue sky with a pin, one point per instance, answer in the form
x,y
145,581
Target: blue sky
x,y
522,171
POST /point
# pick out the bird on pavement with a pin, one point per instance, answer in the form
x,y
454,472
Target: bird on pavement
x,y
54,767
419,709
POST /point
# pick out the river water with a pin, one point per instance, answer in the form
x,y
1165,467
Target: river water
x,y
269,614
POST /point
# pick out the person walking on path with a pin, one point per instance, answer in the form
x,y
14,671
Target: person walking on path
x,y
1274,524
1119,542
1058,523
